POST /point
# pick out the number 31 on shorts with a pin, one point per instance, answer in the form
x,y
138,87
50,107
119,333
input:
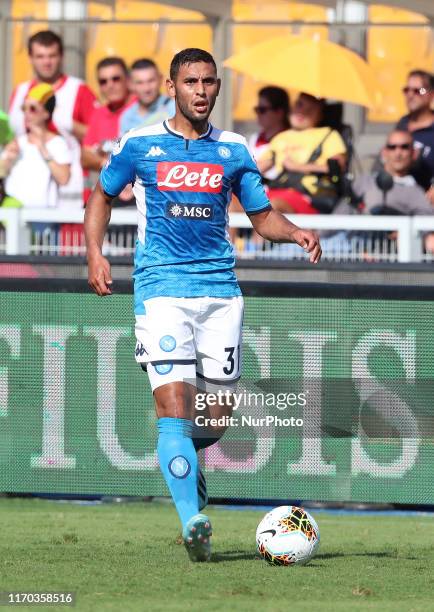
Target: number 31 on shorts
x,y
233,357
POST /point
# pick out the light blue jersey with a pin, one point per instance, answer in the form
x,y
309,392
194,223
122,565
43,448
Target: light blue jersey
x,y
162,108
183,189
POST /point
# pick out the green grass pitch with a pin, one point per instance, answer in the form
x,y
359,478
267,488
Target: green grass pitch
x,y
126,557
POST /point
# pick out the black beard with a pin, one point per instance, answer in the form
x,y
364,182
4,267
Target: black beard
x,y
195,122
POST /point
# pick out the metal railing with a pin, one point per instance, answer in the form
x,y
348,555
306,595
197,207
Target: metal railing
x,y
343,237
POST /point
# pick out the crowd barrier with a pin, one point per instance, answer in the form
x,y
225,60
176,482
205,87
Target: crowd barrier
x,y
344,237
335,402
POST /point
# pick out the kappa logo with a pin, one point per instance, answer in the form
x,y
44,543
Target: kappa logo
x,y
155,151
140,350
190,176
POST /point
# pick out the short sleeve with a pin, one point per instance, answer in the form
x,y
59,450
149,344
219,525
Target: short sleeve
x,y
120,168
248,186
59,150
84,104
334,145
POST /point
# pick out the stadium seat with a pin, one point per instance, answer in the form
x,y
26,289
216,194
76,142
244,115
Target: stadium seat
x,y
159,41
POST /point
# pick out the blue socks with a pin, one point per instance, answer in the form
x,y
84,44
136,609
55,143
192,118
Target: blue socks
x,y
178,463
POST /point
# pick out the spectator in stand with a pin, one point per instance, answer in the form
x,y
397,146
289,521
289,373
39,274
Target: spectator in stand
x,y
38,162
75,103
419,98
151,106
405,197
104,128
113,79
300,159
272,113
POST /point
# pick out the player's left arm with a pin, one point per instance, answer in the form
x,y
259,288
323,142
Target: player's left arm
x,y
273,226
269,223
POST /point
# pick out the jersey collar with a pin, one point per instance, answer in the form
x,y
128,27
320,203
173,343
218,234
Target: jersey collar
x,y
179,135
60,82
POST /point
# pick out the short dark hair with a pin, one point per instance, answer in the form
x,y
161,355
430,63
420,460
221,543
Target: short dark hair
x,y
277,97
192,55
142,64
400,131
427,77
46,38
112,61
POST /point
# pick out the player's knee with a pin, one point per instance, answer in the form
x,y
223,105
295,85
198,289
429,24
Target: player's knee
x,y
174,400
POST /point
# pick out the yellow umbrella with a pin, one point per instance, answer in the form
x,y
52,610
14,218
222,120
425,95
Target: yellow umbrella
x,y
318,67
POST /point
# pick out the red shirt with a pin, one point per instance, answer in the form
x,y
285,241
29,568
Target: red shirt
x,y
104,124
84,106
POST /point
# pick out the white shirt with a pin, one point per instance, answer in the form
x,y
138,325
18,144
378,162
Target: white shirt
x,y
71,194
30,180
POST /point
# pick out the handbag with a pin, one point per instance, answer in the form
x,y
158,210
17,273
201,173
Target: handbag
x,y
327,185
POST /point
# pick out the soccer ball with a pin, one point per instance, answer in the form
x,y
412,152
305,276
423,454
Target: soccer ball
x,y
287,535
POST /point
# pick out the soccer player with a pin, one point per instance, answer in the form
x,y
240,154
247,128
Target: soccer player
x,y
188,304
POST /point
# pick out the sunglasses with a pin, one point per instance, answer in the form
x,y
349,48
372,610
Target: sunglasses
x,y
419,91
113,79
30,108
261,110
405,146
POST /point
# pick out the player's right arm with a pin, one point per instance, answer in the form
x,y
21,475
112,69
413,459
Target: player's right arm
x,y
116,174
96,219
